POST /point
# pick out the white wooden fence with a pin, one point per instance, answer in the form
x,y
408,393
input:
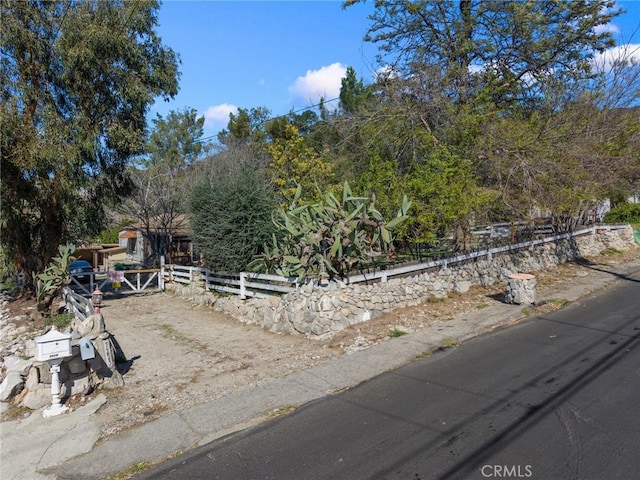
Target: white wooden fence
x,y
245,284
80,306
261,285
130,280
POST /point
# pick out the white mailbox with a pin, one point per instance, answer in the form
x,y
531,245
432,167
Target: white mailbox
x,y
53,345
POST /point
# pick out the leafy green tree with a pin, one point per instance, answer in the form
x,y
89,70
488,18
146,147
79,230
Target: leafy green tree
x,y
230,209
247,127
470,72
174,143
445,193
77,81
389,129
389,150
353,92
304,122
382,178
562,162
294,162
503,54
110,234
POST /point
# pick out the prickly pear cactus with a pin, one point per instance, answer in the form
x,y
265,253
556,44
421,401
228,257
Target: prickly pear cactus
x,y
333,236
55,276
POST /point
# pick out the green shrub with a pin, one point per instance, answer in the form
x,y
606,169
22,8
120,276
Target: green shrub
x,y
55,276
110,234
625,213
230,215
397,332
8,274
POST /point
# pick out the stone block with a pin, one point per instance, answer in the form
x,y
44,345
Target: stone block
x,y
33,379
75,386
37,398
521,289
75,364
12,384
18,365
462,286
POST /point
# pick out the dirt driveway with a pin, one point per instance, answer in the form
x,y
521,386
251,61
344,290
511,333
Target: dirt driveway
x,y
180,355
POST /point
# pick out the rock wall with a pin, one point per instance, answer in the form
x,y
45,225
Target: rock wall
x,y
27,382
322,310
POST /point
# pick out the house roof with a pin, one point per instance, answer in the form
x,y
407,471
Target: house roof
x,y
113,250
128,234
95,247
181,227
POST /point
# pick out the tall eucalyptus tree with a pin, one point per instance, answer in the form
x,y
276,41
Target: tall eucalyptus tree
x,y
77,80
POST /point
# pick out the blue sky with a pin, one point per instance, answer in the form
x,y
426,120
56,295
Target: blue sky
x,y
282,55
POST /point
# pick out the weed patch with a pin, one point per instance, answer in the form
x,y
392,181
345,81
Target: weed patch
x,y
397,332
276,412
132,470
425,354
60,321
449,343
15,412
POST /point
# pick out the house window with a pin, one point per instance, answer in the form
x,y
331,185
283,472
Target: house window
x,y
131,246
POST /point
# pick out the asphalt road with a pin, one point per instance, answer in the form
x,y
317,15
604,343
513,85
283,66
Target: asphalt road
x,y
555,397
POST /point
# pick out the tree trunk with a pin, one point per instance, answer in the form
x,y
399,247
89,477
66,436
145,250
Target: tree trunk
x,y
462,236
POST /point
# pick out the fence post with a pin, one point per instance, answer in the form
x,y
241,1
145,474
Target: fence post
x,y
161,275
243,291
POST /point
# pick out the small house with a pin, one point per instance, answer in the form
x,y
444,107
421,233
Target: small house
x,y
176,243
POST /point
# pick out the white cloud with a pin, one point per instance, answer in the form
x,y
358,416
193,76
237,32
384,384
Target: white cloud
x,y
386,71
607,28
316,84
629,52
218,114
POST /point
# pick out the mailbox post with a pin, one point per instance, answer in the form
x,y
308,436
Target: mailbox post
x,y
52,348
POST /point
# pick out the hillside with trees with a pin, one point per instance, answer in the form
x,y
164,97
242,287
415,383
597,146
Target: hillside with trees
x,y
480,112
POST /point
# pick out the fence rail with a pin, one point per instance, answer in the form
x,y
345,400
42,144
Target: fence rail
x,y
245,284
80,306
383,275
260,285
134,280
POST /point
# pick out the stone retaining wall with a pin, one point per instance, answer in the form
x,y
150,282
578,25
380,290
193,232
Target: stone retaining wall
x,y
320,311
